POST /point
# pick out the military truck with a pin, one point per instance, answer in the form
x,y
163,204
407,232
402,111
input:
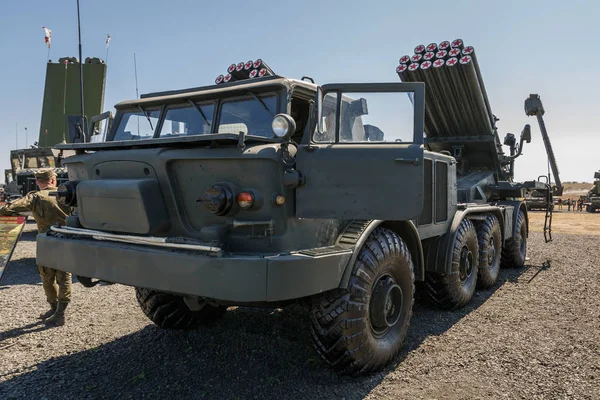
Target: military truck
x,y
537,200
266,191
25,162
592,201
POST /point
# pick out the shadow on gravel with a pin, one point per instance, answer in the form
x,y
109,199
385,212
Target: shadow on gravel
x,y
251,353
16,332
28,236
21,272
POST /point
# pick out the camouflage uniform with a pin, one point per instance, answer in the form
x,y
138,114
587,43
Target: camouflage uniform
x,y
47,212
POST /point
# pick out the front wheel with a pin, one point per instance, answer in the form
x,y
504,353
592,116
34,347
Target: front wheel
x,y
170,311
361,329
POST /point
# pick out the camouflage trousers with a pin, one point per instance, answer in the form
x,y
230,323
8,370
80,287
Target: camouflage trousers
x,y
56,284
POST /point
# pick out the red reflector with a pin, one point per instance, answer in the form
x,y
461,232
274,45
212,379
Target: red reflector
x,y
245,199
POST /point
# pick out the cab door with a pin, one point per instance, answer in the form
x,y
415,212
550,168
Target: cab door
x,y
364,159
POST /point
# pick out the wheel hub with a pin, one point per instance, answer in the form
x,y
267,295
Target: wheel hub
x,y
491,253
466,263
386,304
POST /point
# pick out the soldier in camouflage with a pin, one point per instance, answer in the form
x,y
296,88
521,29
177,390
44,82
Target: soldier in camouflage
x,y
47,212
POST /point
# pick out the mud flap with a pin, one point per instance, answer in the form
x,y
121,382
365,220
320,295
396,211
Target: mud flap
x,y
10,231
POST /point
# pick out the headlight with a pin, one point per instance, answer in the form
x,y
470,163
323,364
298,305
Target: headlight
x,y
283,126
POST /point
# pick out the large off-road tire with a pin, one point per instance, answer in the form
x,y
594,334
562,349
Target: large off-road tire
x,y
361,329
489,237
514,251
170,311
454,290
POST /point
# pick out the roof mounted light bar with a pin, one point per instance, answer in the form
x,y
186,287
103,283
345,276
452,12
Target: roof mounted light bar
x,y
245,70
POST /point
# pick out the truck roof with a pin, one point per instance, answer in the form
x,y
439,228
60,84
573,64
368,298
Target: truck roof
x,y
174,96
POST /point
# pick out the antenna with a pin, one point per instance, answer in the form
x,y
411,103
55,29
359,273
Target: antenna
x,y
81,77
137,94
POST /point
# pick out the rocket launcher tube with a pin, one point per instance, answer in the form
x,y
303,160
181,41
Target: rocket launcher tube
x,y
445,45
457,44
466,118
441,81
420,49
475,94
470,51
415,75
436,105
405,59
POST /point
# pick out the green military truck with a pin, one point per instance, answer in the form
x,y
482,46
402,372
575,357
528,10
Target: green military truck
x,y
592,200
266,191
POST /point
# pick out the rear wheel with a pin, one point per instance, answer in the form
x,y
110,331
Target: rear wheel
x,y
361,329
515,249
489,237
456,289
170,311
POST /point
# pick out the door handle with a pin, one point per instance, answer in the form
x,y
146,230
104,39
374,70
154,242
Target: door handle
x,y
414,161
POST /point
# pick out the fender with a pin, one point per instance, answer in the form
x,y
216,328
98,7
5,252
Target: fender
x,y
518,206
450,236
358,231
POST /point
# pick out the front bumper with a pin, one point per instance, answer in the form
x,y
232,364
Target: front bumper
x,y
231,278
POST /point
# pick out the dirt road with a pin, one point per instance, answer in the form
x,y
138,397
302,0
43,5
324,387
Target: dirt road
x,y
534,335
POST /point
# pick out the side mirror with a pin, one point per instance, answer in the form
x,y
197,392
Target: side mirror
x,y
97,135
526,134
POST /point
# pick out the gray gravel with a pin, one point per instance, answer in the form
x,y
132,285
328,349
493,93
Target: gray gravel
x,y
520,339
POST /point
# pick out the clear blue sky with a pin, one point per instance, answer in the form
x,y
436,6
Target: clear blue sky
x,y
546,47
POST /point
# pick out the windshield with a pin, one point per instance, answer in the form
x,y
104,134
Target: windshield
x,y
249,115
134,125
252,115
190,120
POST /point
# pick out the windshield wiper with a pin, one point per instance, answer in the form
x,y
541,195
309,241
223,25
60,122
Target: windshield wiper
x,y
147,117
200,111
262,102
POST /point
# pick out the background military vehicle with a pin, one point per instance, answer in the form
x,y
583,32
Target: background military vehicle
x,y
592,201
26,161
262,190
60,118
543,200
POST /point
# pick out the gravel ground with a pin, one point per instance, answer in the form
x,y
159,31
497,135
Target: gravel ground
x,y
528,337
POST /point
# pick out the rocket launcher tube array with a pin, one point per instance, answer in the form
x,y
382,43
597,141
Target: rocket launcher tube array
x,y
456,102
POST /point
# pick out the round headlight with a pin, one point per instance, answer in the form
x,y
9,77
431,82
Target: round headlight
x,y
283,125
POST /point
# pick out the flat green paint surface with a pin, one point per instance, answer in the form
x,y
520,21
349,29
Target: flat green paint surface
x,y
56,107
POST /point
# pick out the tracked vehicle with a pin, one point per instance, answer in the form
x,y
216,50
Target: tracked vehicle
x,y
265,191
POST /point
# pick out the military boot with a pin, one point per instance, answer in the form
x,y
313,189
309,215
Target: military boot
x,y
58,318
50,312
